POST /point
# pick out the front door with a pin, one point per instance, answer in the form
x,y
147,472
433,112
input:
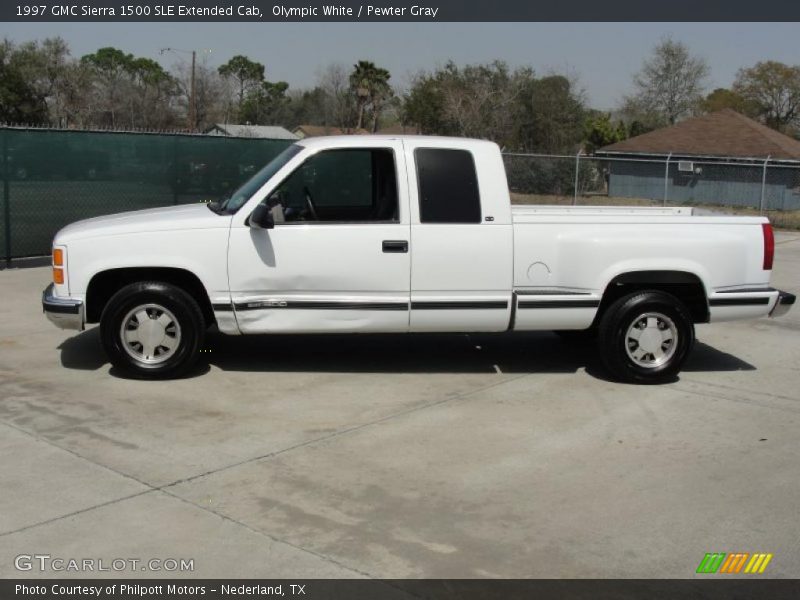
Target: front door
x,y
338,256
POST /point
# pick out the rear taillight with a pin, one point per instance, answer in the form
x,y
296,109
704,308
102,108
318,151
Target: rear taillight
x,y
769,246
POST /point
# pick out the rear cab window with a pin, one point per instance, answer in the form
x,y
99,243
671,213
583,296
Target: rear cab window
x,y
448,186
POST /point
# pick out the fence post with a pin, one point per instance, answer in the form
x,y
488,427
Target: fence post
x,y
764,185
175,170
666,179
577,170
6,200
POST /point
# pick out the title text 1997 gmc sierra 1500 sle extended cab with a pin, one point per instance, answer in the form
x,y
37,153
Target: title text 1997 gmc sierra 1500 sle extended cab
x,y
406,234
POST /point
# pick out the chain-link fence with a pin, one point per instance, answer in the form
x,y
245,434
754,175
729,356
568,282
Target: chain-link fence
x,y
753,185
52,178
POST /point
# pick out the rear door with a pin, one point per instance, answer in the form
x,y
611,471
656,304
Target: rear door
x,y
462,250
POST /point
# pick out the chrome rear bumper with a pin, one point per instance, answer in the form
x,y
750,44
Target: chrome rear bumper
x,y
65,313
782,306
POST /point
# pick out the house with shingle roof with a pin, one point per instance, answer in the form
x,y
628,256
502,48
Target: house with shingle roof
x,y
716,158
269,132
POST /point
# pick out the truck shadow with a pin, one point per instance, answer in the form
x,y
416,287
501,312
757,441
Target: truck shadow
x,y
534,352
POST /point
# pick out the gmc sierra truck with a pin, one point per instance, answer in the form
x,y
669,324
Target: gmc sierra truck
x,y
362,234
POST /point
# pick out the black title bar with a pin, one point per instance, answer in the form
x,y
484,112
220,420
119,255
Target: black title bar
x,y
711,588
378,10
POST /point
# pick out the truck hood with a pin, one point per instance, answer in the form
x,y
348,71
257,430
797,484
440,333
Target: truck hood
x,y
189,216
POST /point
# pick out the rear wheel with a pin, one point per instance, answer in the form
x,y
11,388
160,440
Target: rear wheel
x,y
645,337
152,330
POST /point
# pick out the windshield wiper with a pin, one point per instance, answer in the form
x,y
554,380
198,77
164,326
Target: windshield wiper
x,y
215,207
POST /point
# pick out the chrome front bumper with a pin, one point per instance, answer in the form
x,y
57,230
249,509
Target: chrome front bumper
x,y
783,304
65,313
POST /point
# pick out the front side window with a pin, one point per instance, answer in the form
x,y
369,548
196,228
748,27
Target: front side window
x,y
251,186
448,186
348,185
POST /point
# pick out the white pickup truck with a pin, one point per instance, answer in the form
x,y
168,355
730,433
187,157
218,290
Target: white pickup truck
x,y
363,234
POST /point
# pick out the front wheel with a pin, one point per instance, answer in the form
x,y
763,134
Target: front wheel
x,y
152,330
645,337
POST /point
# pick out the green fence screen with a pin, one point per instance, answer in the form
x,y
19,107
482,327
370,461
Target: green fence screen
x,y
52,178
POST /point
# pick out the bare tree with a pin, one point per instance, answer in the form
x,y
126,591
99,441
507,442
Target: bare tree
x,y
212,92
334,80
669,85
79,100
480,99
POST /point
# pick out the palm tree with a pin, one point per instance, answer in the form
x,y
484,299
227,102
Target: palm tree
x,y
361,85
370,84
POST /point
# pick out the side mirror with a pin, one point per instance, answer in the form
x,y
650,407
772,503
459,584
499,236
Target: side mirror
x,y
261,217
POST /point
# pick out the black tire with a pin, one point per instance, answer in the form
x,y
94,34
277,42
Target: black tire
x,y
621,354
186,330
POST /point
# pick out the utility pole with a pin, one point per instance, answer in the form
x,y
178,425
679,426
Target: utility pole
x,y
191,120
192,99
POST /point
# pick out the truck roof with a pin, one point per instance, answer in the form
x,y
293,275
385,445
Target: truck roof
x,y
417,140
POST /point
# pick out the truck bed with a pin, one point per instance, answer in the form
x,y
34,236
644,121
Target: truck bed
x,y
575,251
522,210
625,215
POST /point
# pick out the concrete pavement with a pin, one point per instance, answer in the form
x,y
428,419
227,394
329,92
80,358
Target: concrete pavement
x,y
399,456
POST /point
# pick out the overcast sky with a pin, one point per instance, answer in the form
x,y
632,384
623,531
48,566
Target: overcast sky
x,y
603,56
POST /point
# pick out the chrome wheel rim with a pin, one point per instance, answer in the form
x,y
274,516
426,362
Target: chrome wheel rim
x,y
150,334
651,340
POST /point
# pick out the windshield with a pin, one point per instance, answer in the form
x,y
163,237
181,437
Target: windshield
x,y
244,193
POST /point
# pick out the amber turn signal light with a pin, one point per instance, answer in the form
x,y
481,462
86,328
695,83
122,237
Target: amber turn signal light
x,y
58,276
58,257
